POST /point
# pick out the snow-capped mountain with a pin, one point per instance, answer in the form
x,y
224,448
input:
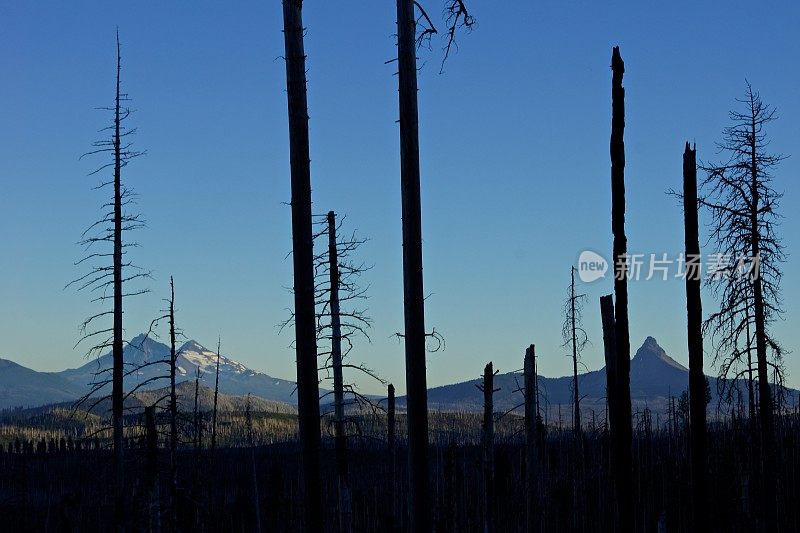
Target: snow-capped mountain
x,y
145,361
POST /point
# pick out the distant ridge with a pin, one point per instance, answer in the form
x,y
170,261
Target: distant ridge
x,y
655,376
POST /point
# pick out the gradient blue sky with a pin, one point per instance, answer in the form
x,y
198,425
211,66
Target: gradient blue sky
x,y
515,165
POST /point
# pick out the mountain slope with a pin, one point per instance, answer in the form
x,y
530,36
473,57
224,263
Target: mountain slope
x,y
654,378
23,387
151,356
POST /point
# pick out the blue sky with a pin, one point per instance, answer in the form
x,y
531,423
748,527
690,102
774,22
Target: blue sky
x,y
515,167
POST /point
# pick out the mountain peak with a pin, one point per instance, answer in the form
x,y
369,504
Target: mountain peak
x,y
193,346
651,342
651,352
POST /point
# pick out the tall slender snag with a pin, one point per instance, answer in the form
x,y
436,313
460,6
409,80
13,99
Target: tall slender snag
x,y
391,441
623,433
610,350
303,259
532,507
216,395
340,441
694,319
576,420
117,391
413,295
488,448
173,408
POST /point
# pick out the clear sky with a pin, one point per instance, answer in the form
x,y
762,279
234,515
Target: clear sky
x,y
514,149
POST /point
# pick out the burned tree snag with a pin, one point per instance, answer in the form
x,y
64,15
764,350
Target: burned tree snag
x,y
413,296
622,434
391,441
340,441
576,421
610,350
216,396
694,319
117,391
303,259
532,509
173,409
488,448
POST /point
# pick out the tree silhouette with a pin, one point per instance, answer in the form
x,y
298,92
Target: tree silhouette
x,y
575,337
622,433
110,269
694,319
739,195
303,259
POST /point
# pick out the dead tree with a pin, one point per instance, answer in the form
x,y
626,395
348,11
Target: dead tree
x,y
743,204
487,387
303,259
171,396
337,293
216,396
408,40
610,353
576,338
391,444
197,432
104,278
623,432
533,510
694,318
173,363
413,294
345,512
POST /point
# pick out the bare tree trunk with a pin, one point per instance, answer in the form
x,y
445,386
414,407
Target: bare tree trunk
x,y
413,296
576,420
340,443
303,258
623,431
195,414
694,317
117,348
610,352
532,504
216,395
173,410
764,389
391,440
751,397
488,449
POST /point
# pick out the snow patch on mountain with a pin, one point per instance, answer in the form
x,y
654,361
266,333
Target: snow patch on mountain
x,y
205,359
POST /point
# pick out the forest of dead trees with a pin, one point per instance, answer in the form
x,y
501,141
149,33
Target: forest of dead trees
x,y
172,460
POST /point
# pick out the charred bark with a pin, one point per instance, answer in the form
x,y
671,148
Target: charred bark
x,y
413,296
533,511
391,441
303,262
340,439
216,395
488,449
622,434
694,318
118,370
